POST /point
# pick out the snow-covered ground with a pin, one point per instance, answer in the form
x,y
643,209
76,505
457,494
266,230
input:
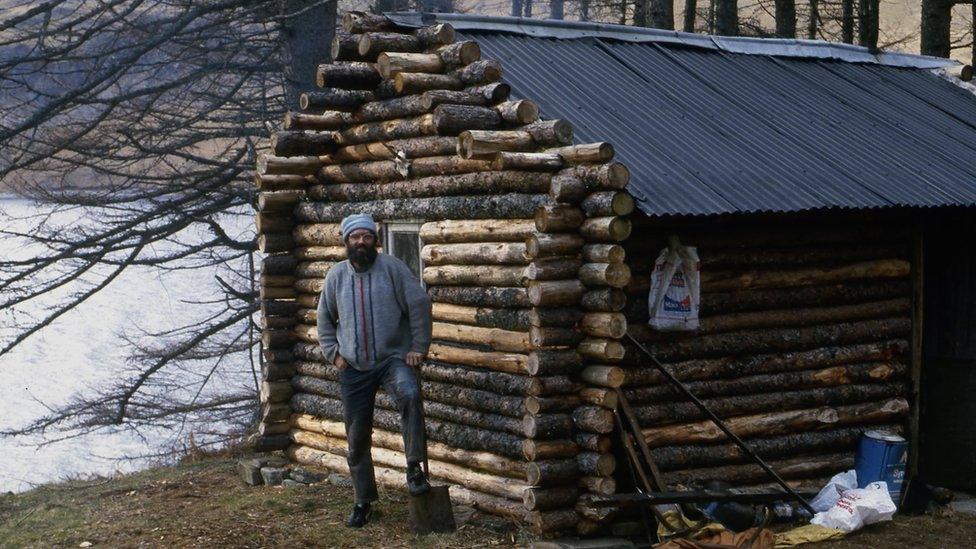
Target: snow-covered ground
x,y
82,349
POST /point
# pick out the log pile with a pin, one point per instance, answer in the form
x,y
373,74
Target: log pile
x,y
803,345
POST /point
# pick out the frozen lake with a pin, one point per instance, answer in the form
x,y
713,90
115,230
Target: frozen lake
x,y
80,351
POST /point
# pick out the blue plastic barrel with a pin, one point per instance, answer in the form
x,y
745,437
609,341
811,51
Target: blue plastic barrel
x,y
882,455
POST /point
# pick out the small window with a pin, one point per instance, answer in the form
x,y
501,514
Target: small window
x,y
402,240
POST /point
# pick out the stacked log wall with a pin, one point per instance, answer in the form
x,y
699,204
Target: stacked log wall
x,y
803,345
410,125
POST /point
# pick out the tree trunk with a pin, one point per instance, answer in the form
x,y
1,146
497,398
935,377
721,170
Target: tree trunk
x,y
691,8
484,230
660,14
814,22
727,17
936,25
305,38
510,206
556,9
506,319
868,24
473,296
847,21
785,18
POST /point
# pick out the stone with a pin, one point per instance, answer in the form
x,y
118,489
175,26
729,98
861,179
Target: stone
x,y
336,479
273,476
250,472
307,477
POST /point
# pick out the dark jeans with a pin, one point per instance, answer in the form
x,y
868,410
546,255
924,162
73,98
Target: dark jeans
x,y
358,399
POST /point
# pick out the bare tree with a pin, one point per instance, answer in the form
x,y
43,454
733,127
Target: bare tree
x,y
726,17
143,118
785,18
660,14
868,23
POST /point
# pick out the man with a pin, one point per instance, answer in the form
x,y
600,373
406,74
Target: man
x,y
374,324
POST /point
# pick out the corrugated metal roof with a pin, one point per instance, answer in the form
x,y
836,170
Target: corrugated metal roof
x,y
710,131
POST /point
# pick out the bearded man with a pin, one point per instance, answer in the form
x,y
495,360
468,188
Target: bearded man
x,y
374,324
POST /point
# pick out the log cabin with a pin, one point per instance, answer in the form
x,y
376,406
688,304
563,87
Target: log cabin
x,y
531,171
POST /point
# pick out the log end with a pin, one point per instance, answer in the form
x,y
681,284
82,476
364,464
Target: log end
x,y
618,175
469,52
365,43
303,101
526,112
383,66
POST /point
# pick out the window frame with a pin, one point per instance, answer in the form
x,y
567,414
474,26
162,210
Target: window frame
x,y
404,226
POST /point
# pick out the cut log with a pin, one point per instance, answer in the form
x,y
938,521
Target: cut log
x,y
507,319
314,269
609,325
478,378
869,372
500,253
601,444
538,498
526,161
778,423
786,339
350,76
483,230
590,153
797,467
501,362
389,64
277,371
446,185
563,403
672,412
615,275
316,122
386,150
555,293
595,465
493,338
734,366
309,285
538,450
276,293
613,175
454,119
485,144
553,245
278,265
553,361
601,486
371,44
275,391
268,222
282,182
558,218
281,165
544,522
334,99
402,128
277,281
480,296
358,22
562,317
567,188
547,426
604,376
511,206
604,300
480,72
553,268
550,132
275,412
601,350
394,108
554,337
604,398
594,419
804,296
605,229
603,253
470,275
726,282
519,112
609,203
554,385
325,253
551,472
459,54
278,308
279,201
669,458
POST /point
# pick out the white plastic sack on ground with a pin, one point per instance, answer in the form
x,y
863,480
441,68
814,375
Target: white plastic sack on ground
x,y
838,484
674,298
858,508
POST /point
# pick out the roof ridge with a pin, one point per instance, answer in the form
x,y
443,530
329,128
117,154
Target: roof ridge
x,y
778,47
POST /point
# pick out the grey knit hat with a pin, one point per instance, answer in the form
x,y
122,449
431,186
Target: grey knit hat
x,y
357,221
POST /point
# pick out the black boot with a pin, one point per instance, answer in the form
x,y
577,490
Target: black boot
x,y
416,480
361,514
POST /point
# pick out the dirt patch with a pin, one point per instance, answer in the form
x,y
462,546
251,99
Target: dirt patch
x,y
944,530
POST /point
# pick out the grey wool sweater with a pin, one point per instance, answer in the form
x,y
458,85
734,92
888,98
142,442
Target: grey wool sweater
x,y
370,317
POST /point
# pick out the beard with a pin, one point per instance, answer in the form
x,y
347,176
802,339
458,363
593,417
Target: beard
x,y
361,255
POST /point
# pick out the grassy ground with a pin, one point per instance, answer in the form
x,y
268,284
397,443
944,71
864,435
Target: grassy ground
x,y
203,504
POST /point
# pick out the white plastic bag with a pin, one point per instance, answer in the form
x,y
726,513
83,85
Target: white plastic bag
x,y
674,298
858,508
829,494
